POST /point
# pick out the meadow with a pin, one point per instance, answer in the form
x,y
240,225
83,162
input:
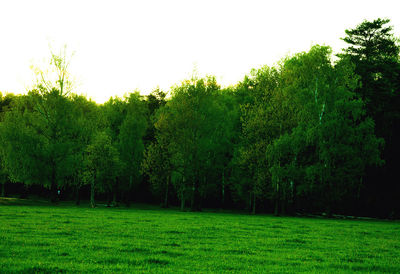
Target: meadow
x,y
41,238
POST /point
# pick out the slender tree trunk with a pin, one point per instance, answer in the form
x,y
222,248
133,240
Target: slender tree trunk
x,y
78,195
359,207
223,188
92,202
3,191
277,197
250,205
294,201
126,197
195,205
53,185
115,191
182,201
109,197
329,203
115,203
128,193
254,204
166,192
193,194
182,194
276,210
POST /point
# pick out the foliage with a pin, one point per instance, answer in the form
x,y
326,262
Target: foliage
x,y
102,164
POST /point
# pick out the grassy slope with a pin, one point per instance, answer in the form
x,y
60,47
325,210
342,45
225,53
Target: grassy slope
x,y
43,238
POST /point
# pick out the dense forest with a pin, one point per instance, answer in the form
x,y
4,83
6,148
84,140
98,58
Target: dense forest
x,y
313,133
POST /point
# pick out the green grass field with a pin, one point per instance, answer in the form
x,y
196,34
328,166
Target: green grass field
x,y
65,238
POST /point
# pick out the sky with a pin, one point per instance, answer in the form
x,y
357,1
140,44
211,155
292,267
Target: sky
x,y
122,46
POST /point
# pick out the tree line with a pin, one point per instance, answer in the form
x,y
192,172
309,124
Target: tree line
x,y
311,134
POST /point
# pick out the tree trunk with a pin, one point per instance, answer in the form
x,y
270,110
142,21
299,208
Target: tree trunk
x,y
78,195
223,189
114,202
250,201
182,201
294,201
254,204
3,192
192,198
53,186
182,194
92,202
329,200
359,206
127,194
109,197
277,197
195,204
166,193
125,197
115,191
283,200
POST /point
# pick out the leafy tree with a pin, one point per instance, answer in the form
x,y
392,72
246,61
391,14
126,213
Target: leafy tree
x,y
113,113
265,117
130,140
189,121
5,104
157,165
102,165
38,136
331,121
39,131
155,100
374,50
86,115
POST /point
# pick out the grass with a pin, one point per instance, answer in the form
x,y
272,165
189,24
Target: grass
x,y
40,238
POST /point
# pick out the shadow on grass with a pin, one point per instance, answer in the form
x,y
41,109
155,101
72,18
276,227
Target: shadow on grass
x,y
156,261
43,269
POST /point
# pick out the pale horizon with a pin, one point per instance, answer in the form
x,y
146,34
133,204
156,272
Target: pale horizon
x,y
123,46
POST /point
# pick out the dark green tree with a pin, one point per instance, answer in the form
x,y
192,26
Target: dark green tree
x,y
130,141
374,50
86,114
102,165
191,122
5,105
332,141
39,133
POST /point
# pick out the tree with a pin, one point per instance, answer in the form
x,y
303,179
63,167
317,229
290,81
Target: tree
x,y
374,51
189,122
130,140
332,141
158,166
102,165
113,113
86,115
40,130
5,104
266,116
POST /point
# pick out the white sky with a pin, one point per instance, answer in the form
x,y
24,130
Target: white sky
x,y
121,46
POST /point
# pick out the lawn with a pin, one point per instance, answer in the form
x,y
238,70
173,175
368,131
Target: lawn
x,y
66,238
